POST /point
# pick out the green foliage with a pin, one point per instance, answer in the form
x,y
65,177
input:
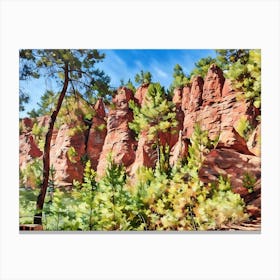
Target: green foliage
x,y
156,115
179,78
39,132
242,66
72,210
92,205
143,78
200,146
244,128
85,78
88,116
163,163
30,181
72,154
69,68
157,199
221,208
115,204
130,85
160,198
33,114
100,127
228,57
244,69
73,109
180,201
60,213
32,174
47,103
77,130
249,181
27,205
85,158
202,66
212,206
85,194
23,99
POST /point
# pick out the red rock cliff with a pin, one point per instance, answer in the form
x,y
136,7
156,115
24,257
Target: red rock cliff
x,y
212,102
119,139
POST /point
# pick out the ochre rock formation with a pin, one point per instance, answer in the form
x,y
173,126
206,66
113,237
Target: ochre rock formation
x,y
119,139
213,85
254,142
26,125
141,93
195,100
227,88
222,115
186,97
234,165
212,102
67,167
28,149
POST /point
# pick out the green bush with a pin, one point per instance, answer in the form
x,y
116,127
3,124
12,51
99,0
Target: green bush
x,y
160,198
72,154
32,174
222,207
244,128
249,181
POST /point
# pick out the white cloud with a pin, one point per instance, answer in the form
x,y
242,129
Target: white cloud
x,y
139,64
115,67
159,72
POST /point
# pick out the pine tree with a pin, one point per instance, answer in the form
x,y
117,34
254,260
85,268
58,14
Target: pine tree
x,y
73,69
130,86
202,66
245,74
200,146
23,99
47,103
155,116
179,79
227,57
86,192
116,207
143,78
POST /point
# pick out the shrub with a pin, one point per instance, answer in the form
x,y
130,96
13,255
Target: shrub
x,y
249,181
244,128
72,154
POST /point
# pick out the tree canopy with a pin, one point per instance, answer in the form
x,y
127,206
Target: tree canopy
x,y
245,73
73,69
84,77
143,77
180,79
202,66
155,116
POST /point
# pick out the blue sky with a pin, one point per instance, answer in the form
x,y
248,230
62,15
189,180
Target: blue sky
x,y
125,64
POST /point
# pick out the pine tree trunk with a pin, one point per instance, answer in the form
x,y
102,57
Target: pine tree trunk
x,y
46,157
